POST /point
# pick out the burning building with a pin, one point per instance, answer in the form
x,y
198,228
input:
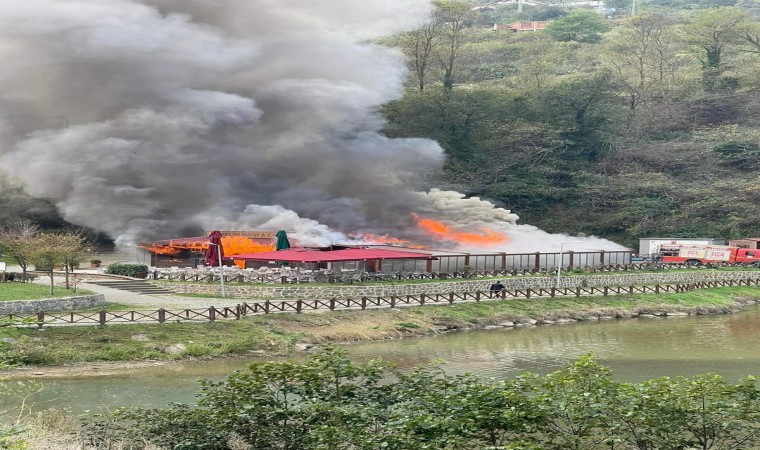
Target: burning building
x,y
189,251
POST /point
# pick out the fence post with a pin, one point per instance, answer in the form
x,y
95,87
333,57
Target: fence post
x,y
451,298
266,307
161,315
102,317
503,293
656,288
332,304
237,311
477,296
422,299
211,313
527,293
606,290
393,301
40,319
364,302
299,306
245,309
553,292
577,291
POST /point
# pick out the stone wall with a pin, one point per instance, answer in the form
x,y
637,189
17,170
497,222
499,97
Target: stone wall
x,y
52,304
306,291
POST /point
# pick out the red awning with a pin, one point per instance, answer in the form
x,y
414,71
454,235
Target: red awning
x,y
316,256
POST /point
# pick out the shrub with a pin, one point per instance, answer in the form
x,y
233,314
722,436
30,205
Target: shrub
x,y
127,270
95,261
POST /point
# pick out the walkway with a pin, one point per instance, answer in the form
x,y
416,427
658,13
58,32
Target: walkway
x,y
132,300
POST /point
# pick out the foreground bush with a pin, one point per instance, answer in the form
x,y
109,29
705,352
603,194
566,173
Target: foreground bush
x,y
331,403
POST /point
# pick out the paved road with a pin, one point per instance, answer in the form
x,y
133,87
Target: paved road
x,y
140,301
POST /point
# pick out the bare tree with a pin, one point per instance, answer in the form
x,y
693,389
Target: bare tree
x,y
450,15
51,250
17,241
418,46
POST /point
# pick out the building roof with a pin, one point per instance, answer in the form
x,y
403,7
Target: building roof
x,y
316,256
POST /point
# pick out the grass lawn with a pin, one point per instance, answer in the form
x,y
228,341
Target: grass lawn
x,y
12,291
277,333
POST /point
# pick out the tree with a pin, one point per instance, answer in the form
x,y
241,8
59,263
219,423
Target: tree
x,y
710,33
642,56
580,25
50,250
17,240
75,249
418,46
451,16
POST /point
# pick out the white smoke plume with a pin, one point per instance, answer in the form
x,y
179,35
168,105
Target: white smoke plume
x,y
151,119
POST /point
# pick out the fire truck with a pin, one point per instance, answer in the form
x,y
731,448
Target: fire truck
x,y
708,254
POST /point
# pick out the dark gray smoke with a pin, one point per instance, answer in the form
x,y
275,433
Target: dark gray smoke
x,y
147,118
160,118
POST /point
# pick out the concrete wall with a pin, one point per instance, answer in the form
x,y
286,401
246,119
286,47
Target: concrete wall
x,y
306,291
52,304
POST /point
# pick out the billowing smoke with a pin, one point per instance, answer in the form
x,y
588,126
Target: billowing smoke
x,y
160,118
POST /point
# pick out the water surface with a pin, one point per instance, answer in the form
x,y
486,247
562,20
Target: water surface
x,y
635,349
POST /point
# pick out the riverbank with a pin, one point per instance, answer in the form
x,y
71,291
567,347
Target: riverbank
x,y
119,347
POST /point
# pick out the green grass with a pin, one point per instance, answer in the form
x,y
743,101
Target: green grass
x,y
12,291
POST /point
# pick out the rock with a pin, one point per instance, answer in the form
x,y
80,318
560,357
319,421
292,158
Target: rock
x,y
606,317
545,322
303,347
38,373
506,324
174,349
565,320
8,340
139,337
529,321
677,313
646,316
491,327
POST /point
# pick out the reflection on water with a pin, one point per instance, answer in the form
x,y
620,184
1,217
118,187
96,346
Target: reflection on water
x,y
636,350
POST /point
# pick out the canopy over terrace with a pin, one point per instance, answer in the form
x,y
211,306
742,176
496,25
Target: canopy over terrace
x,y
316,257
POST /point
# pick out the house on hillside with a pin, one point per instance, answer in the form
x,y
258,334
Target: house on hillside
x,y
534,25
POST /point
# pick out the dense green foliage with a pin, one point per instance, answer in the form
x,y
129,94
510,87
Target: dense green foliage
x,y
332,403
647,128
128,270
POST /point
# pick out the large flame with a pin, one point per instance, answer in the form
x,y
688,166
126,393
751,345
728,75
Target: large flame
x,y
232,245
483,236
239,245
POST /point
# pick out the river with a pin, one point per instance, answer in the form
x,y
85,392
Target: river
x,y
635,349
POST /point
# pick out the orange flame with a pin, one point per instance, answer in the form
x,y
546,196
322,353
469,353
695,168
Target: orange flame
x,y
386,239
238,245
484,236
162,250
232,245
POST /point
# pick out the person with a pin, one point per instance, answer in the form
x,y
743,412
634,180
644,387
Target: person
x,y
496,288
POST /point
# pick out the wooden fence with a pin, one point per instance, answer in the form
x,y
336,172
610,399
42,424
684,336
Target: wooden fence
x,y
101,318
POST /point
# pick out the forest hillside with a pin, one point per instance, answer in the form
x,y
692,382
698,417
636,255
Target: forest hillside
x,y
601,122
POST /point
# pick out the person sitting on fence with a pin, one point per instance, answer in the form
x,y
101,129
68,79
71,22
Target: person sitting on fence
x,y
496,288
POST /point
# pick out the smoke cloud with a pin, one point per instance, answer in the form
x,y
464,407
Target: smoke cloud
x,y
160,118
